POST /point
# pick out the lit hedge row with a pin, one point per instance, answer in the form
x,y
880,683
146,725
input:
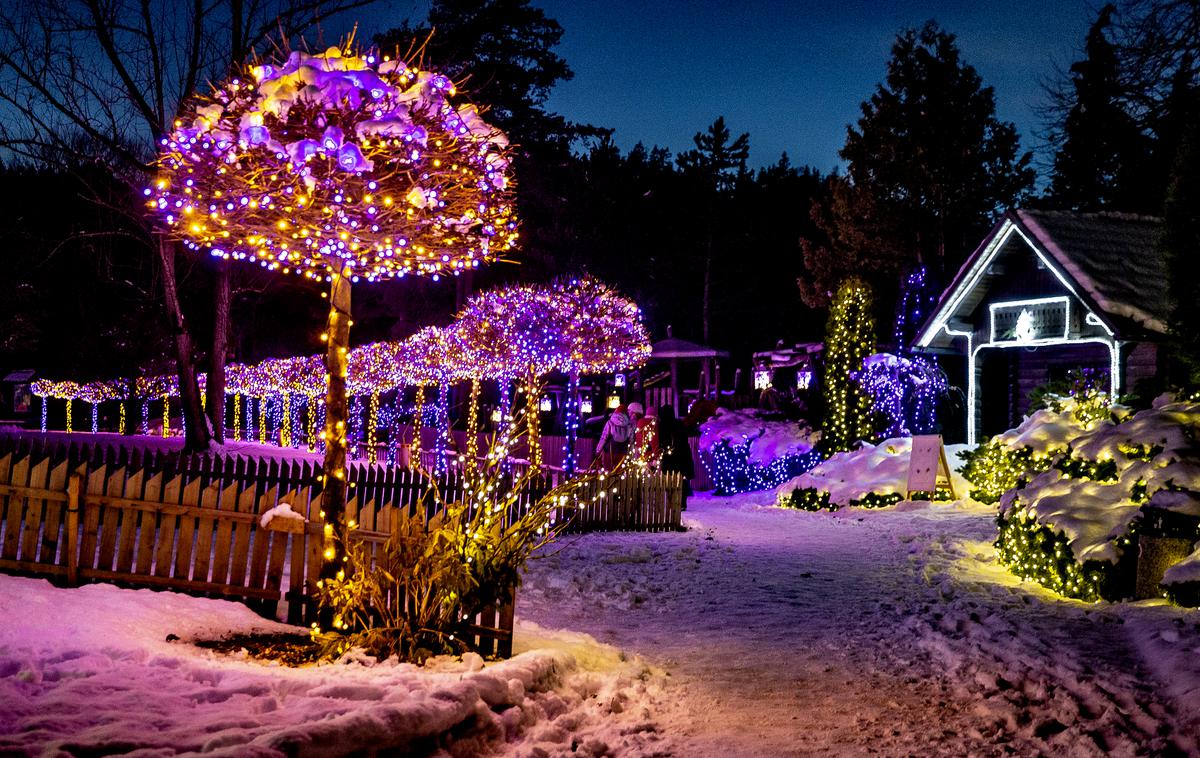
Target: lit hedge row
x,y
1034,551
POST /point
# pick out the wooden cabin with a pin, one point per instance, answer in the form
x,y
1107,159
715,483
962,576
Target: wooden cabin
x,y
1047,292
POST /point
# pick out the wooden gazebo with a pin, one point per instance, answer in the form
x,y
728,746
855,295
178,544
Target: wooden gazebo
x,y
673,350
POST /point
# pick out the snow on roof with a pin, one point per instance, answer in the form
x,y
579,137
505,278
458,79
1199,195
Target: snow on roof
x,y
673,347
1112,256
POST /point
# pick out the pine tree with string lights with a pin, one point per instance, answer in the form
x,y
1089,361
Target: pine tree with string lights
x,y
849,338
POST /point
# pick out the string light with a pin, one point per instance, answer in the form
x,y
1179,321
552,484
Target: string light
x,y
732,472
237,416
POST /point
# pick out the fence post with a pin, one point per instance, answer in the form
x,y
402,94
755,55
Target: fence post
x,y
504,645
74,487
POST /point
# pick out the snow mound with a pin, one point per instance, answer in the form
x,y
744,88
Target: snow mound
x,y
769,440
281,511
1149,452
881,469
100,669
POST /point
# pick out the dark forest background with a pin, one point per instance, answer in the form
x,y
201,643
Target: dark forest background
x,y
723,253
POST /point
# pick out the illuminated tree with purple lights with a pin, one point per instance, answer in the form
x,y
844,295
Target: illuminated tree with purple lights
x,y
514,334
341,168
604,333
578,325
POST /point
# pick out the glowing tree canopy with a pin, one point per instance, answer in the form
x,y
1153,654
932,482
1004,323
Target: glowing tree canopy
x,y
603,328
512,332
338,163
573,325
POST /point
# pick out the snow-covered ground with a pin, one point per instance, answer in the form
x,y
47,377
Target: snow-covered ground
x,y
892,631
91,671
759,631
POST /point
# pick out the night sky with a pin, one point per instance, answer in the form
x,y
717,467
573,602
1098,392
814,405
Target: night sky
x,y
792,74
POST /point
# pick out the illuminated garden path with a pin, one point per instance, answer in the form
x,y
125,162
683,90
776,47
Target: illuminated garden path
x,y
789,633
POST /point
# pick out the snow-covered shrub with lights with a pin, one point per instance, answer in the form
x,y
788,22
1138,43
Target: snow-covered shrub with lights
x,y
873,476
904,391
1007,459
746,453
446,561
1072,527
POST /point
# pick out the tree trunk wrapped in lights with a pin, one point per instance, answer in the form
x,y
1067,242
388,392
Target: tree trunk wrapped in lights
x,y
341,168
418,412
472,463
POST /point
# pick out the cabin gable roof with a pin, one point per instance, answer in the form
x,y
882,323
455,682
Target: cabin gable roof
x,y
1107,261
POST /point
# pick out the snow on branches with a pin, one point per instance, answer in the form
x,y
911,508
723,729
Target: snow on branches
x,y
335,163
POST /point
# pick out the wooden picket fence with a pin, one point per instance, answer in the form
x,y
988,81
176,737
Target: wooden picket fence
x,y
153,517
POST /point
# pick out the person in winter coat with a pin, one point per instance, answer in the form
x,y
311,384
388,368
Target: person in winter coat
x,y
615,437
676,452
645,438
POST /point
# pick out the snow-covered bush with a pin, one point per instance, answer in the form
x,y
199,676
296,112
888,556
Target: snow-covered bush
x,y
746,453
1007,459
873,476
1071,526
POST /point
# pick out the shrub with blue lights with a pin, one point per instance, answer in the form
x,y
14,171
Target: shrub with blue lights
x,y
904,391
732,471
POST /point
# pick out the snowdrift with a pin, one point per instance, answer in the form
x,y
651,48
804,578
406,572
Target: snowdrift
x,y
99,669
872,476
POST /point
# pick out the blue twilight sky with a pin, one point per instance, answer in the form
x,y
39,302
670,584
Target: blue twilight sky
x,y
792,74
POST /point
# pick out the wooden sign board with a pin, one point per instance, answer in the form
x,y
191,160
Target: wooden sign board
x,y
927,463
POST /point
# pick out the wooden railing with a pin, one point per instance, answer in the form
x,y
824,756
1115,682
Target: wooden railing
x,y
154,517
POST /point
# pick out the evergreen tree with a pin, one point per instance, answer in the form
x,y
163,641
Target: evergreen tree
x,y
1179,112
849,338
1180,243
716,163
853,233
1101,161
929,145
503,53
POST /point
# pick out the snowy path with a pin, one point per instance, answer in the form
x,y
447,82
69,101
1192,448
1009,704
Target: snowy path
x,y
790,633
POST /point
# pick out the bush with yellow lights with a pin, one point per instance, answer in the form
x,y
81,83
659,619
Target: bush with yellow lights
x,y
1071,520
993,468
448,560
1008,459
